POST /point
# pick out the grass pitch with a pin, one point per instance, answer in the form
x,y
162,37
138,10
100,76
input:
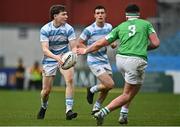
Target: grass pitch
x,y
19,108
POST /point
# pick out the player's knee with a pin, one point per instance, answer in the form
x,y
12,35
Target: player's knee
x,y
110,85
69,81
45,92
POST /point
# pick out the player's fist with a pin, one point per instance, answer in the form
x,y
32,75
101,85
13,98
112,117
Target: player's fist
x,y
113,45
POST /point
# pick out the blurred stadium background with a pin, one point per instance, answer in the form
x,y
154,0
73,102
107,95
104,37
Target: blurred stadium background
x,y
21,20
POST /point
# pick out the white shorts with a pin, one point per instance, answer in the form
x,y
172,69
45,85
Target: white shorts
x,y
132,68
98,70
50,69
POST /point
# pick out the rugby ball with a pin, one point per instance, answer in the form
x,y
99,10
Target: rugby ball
x,y
69,59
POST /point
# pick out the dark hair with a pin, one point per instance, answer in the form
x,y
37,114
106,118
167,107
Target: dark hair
x,y
56,9
99,7
132,8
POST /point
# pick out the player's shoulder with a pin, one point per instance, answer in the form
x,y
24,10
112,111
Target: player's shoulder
x,y
90,27
46,27
67,25
108,24
144,21
120,25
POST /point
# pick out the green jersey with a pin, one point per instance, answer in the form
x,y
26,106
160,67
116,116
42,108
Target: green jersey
x,y
133,36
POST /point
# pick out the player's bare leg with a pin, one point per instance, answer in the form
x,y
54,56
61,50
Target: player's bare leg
x,y
99,101
107,84
46,89
92,90
128,94
68,76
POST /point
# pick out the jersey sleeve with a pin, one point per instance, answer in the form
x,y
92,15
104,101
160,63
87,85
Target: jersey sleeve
x,y
71,34
85,35
150,29
43,35
112,36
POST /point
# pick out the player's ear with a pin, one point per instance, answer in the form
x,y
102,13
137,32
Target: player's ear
x,y
55,15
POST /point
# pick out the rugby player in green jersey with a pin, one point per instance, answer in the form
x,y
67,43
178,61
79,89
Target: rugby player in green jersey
x,y
136,36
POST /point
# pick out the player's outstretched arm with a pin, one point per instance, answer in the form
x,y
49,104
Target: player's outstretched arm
x,y
80,47
81,43
94,47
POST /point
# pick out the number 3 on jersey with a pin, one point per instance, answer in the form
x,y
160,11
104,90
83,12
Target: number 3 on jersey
x,y
132,30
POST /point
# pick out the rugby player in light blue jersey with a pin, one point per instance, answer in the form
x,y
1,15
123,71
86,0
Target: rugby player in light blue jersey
x,y
98,62
56,37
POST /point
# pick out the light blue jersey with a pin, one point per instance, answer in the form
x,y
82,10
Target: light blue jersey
x,y
90,35
58,38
